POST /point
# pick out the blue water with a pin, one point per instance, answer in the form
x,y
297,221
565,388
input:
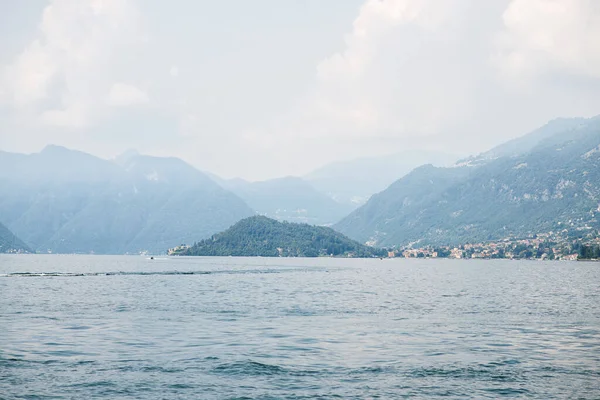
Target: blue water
x,y
99,327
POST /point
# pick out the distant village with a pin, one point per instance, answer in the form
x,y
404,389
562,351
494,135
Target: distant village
x,y
542,246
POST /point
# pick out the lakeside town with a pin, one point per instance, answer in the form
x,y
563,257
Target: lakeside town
x,y
543,246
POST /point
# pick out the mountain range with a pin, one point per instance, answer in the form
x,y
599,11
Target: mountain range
x,y
352,182
326,195
544,181
290,198
66,201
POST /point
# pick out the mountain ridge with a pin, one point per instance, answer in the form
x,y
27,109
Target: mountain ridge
x,y
142,204
352,182
291,199
546,188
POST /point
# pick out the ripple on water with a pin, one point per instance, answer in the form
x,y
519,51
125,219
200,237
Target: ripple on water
x,y
251,368
123,327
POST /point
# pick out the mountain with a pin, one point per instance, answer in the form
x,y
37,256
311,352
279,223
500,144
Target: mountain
x,y
526,143
289,199
262,236
9,243
550,186
66,201
55,164
328,194
353,182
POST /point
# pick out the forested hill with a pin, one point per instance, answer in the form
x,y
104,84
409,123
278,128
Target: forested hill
x,y
9,243
262,236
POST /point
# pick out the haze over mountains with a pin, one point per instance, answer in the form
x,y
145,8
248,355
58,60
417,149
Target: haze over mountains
x,y
329,193
290,199
545,181
353,182
66,201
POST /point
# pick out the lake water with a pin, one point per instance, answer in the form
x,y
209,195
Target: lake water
x,y
257,328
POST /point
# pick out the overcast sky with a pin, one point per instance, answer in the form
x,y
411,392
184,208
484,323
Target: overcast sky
x,y
266,88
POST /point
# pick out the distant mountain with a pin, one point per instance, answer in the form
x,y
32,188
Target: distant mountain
x,y
56,164
289,199
353,182
526,143
9,243
262,236
67,201
550,186
229,184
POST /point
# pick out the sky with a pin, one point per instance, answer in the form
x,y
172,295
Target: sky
x,y
266,88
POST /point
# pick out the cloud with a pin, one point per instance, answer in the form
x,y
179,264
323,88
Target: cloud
x,y
73,116
445,76
60,77
549,36
122,94
452,75
28,78
384,79
403,73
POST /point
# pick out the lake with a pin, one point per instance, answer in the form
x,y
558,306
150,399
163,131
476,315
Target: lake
x,y
256,328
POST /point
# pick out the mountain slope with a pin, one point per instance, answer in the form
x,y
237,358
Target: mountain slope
x,y
262,236
415,194
9,243
526,143
66,201
353,182
554,186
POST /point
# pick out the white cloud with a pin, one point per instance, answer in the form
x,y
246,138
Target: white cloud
x,y
74,116
400,75
61,76
122,94
550,36
442,75
454,75
28,78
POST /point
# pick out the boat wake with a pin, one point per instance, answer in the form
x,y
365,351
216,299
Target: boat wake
x,y
133,273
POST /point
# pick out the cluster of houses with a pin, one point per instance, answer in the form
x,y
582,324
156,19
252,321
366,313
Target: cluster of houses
x,y
543,246
177,249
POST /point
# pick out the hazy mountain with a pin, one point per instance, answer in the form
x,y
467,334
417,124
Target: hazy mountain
x,y
328,194
289,199
262,236
550,186
232,184
353,182
526,143
9,243
67,201
56,164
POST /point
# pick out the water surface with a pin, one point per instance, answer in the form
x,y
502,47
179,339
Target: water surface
x,y
259,328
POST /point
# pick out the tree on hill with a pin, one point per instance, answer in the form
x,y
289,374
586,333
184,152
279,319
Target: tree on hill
x,y
589,252
262,236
